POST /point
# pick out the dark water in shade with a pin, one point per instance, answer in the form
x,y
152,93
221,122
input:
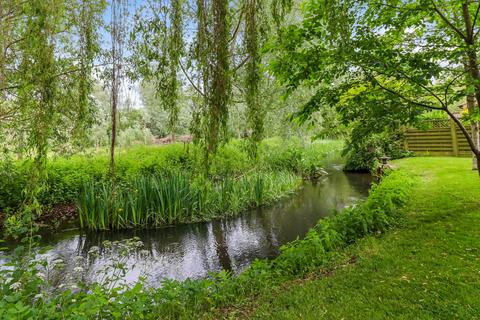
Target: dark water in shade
x,y
194,250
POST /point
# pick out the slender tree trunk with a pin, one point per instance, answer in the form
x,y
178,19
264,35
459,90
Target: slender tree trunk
x,y
473,70
114,123
3,41
465,132
116,56
474,130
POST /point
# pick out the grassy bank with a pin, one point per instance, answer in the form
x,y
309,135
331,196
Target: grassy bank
x,y
427,269
350,266
158,185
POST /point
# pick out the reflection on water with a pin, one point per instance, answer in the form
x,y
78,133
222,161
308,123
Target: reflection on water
x,y
194,250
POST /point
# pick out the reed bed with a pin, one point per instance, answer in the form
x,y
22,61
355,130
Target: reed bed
x,y
152,201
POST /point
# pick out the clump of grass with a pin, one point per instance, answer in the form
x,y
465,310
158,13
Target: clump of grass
x,y
151,201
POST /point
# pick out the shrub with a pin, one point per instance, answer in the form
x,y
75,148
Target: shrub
x,y
376,215
362,152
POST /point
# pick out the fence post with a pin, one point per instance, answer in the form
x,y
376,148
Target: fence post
x,y
453,131
403,130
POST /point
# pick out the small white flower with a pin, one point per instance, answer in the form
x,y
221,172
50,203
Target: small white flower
x,y
111,300
78,269
61,286
15,286
41,275
38,296
74,300
74,287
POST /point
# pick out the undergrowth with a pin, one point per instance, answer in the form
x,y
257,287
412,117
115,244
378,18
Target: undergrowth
x,y
66,176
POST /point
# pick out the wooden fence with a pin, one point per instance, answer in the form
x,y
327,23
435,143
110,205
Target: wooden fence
x,y
442,138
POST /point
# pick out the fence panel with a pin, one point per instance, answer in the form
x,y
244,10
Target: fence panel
x,y
443,138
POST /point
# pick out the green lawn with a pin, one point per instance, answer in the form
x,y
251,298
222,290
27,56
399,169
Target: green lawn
x,y
427,269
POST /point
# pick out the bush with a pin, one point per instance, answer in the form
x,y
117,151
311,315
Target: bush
x,y
362,153
376,215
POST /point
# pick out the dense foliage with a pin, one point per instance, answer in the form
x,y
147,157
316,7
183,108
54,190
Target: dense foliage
x,y
155,200
231,167
384,63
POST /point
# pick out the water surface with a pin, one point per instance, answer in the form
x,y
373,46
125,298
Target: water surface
x,y
194,250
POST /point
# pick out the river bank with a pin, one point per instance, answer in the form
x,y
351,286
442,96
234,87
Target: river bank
x,y
426,269
165,185
220,291
195,250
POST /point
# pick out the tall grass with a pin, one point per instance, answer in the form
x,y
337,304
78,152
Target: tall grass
x,y
67,175
151,201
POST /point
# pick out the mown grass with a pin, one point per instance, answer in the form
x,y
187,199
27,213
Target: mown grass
x,y
427,269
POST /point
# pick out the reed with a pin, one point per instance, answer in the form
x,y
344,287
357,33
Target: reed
x,y
151,201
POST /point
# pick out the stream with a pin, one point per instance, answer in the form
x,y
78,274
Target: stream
x,y
193,250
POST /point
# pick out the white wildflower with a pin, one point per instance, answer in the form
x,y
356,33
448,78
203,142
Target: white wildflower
x,y
78,269
15,286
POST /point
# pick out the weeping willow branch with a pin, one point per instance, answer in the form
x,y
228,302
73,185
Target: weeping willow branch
x,y
185,73
219,87
255,114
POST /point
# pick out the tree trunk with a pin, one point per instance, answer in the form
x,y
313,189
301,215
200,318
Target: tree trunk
x,y
473,72
470,141
474,129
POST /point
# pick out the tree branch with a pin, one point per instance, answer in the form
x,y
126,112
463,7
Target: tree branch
x,y
241,64
190,80
475,18
470,141
448,22
420,104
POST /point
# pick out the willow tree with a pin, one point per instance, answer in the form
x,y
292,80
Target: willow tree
x,y
215,57
260,24
218,88
40,73
254,110
159,47
117,35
